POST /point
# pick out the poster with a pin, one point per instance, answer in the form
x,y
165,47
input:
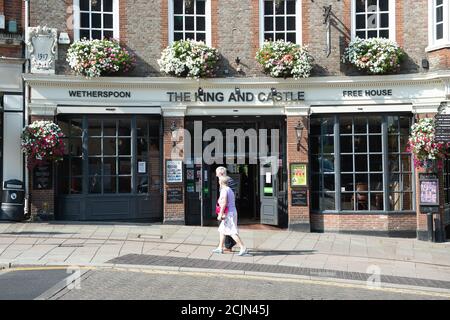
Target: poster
x,y
142,167
299,175
190,174
174,171
429,192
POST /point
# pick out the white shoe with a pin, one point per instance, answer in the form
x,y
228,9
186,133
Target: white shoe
x,y
218,250
243,251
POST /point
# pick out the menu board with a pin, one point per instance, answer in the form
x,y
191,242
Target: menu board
x,y
175,195
42,177
429,190
299,198
174,171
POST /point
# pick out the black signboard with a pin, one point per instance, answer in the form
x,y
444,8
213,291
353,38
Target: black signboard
x,y
175,195
442,127
42,177
299,198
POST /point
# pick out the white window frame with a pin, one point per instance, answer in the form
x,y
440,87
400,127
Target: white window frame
x,y
298,22
207,22
433,43
77,20
392,20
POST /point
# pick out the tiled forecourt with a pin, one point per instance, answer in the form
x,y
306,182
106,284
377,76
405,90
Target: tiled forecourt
x,y
138,259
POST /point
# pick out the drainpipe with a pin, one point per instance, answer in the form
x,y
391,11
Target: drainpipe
x,y
26,96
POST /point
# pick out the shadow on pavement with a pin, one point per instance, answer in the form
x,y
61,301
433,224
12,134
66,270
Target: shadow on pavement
x,y
280,252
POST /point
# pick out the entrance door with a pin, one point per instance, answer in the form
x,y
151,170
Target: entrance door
x,y
268,190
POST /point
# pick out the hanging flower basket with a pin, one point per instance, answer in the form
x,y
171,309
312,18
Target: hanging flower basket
x,y
422,144
190,59
374,55
42,142
285,59
95,58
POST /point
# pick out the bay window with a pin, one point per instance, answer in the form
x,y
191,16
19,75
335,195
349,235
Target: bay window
x,y
360,163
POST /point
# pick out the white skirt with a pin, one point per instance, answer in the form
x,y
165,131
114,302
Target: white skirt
x,y
228,226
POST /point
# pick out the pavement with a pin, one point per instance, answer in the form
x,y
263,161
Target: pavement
x,y
395,262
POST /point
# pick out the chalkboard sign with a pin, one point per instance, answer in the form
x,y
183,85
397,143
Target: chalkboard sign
x,y
299,198
42,177
175,195
442,127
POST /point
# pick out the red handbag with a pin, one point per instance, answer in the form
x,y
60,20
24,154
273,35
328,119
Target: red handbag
x,y
218,209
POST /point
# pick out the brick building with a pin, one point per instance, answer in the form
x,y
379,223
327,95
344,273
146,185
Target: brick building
x,y
121,131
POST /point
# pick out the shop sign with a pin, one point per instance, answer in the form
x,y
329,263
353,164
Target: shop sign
x,y
174,171
218,96
442,127
429,192
99,94
299,198
299,175
175,195
367,93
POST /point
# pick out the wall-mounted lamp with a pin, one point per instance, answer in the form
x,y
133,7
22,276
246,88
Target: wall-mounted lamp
x,y
200,91
274,91
299,133
425,64
238,61
237,90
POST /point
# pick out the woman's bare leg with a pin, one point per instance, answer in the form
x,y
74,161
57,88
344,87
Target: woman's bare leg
x,y
238,240
221,240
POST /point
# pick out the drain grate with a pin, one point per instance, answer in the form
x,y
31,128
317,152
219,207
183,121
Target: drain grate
x,y
149,236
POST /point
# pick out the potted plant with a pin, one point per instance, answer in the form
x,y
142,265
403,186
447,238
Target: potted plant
x,y
374,55
285,59
422,144
190,59
95,58
42,141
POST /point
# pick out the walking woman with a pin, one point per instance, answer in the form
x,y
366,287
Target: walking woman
x,y
228,226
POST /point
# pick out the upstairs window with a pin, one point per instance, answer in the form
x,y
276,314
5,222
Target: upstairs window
x,y
280,20
96,19
373,19
439,26
190,19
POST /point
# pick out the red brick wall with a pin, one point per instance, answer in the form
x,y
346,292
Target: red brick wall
x,y
13,10
255,25
297,215
439,59
305,22
123,21
399,25
41,200
172,212
164,25
2,6
215,24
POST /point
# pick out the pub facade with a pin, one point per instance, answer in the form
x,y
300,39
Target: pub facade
x,y
320,154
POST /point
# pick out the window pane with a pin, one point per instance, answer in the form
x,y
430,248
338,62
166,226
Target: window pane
x,y
109,128
376,182
346,144
290,23
76,185
327,126
393,143
190,36
268,7
124,128
407,201
95,146
290,7
124,184
279,9
109,166
85,34
347,163
189,23
96,20
360,125
96,34
375,144
291,37
361,163
109,146
375,124
361,181
124,166
279,23
178,6
394,163
329,182
108,21
360,5
178,36
407,183
142,184
384,5
84,23
406,163
360,21
346,125
268,24
109,185
201,24
360,143
268,36
96,5
384,34
376,163
347,202
328,144
84,5
376,201
327,202
372,34
107,5
95,166
76,147
95,184
361,34
124,146
189,7
384,20
362,201
439,31
76,166
439,14
95,128
108,34
141,128
280,36
394,182
201,37
327,163
75,128
347,182
201,7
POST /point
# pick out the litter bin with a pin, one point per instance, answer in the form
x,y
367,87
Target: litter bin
x,y
13,196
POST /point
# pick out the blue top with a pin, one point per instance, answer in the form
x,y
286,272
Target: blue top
x,y
230,198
